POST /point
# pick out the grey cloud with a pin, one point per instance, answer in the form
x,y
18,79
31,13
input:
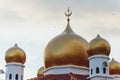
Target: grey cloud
x,y
97,6
51,7
101,5
114,31
10,16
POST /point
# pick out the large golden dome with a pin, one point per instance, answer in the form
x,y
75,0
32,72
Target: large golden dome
x,y
66,49
15,54
114,67
99,46
40,72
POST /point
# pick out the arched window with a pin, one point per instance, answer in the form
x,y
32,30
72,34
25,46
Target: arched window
x,y
10,76
16,76
21,77
91,71
104,70
97,70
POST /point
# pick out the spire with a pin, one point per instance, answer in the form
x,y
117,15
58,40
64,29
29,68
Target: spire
x,y
98,36
113,60
15,45
68,14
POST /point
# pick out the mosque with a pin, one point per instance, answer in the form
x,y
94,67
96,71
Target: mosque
x,y
68,56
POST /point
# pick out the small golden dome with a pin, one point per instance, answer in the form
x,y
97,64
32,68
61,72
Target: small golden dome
x,y
40,72
99,46
15,54
114,67
66,49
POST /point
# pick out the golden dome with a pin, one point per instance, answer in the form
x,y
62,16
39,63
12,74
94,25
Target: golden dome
x,y
15,54
99,46
40,72
66,49
114,67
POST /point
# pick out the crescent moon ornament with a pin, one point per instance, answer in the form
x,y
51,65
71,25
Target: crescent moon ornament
x,y
68,13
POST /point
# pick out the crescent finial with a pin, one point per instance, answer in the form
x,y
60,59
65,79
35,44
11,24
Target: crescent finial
x,y
68,13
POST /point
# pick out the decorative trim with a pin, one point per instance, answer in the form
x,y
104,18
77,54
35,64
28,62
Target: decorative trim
x,y
14,63
69,68
100,77
99,56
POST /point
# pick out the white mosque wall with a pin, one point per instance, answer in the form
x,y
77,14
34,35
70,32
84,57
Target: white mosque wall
x,y
101,78
97,61
14,69
116,77
66,70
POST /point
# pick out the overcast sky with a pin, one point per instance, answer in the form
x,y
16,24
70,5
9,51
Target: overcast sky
x,y
33,23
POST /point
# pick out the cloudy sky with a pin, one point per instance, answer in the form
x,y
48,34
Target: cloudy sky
x,y
33,23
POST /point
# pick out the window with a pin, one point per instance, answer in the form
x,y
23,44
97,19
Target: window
x,y
16,77
104,70
105,64
97,70
91,71
21,77
10,76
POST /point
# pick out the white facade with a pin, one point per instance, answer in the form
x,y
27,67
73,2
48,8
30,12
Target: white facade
x,y
98,66
116,77
67,69
102,78
97,61
14,71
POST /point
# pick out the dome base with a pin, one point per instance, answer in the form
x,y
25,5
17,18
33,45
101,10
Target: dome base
x,y
66,70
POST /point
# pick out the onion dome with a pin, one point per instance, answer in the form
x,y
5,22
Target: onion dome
x,y
40,72
66,49
15,54
114,67
99,46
